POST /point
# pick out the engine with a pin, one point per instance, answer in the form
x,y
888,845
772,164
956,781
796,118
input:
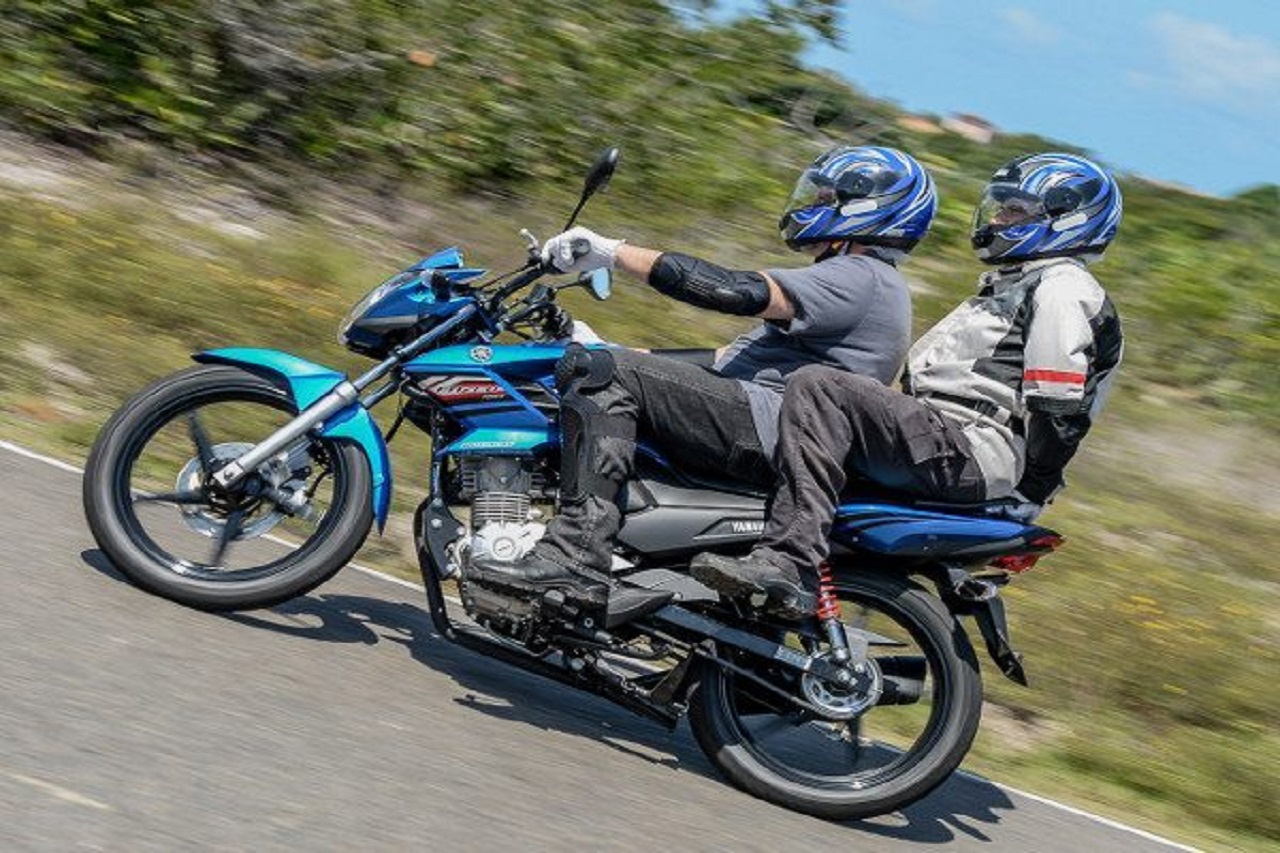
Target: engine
x,y
501,491
504,525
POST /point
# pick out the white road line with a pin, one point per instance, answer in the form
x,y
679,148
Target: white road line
x,y
40,457
1105,821
61,793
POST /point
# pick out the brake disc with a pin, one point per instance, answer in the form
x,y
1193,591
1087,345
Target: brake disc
x,y
211,520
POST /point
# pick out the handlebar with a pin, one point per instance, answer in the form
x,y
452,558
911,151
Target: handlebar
x,y
535,269
532,273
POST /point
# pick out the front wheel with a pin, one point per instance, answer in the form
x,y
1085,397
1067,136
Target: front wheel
x,y
157,514
891,754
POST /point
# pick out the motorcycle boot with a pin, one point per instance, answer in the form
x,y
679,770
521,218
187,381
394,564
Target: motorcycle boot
x,y
575,554
786,592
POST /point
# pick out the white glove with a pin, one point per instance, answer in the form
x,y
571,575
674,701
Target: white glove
x,y
580,250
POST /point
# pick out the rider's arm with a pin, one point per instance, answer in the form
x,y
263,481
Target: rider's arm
x,y
707,285
1072,343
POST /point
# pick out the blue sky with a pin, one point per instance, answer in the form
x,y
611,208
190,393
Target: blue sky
x,y
1179,91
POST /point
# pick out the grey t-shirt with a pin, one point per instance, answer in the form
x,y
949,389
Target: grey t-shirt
x,y
852,312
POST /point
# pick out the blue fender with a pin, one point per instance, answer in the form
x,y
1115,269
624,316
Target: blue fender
x,y
308,382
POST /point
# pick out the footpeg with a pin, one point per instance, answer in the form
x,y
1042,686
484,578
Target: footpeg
x,y
628,603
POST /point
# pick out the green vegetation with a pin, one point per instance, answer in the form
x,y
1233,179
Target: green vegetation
x,y
263,171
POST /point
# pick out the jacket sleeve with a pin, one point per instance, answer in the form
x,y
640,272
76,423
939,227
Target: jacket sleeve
x,y
1051,442
1058,381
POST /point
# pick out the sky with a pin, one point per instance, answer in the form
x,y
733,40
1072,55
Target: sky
x,y
1174,90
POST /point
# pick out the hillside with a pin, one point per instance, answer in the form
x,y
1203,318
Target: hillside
x,y
168,182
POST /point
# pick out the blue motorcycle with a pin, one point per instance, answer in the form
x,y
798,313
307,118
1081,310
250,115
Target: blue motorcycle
x,y
256,475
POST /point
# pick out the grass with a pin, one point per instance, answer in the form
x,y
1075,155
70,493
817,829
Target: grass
x,y
1151,640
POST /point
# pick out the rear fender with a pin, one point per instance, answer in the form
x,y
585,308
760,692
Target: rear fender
x,y
307,382
965,595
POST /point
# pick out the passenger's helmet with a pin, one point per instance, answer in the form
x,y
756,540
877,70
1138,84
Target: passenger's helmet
x,y
1046,206
867,195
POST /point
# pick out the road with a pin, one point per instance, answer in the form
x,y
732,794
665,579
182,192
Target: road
x,y
341,721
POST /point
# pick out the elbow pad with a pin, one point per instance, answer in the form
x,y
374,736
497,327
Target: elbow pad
x,y
706,285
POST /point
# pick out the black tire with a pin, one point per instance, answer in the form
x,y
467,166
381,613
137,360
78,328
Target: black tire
x,y
109,499
953,716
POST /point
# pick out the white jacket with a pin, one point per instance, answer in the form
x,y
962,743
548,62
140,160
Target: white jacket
x,y
1025,366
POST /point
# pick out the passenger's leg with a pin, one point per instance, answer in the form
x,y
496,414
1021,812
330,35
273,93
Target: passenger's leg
x,y
833,424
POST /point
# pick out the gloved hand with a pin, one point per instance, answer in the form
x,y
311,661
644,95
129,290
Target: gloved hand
x,y
580,250
1022,509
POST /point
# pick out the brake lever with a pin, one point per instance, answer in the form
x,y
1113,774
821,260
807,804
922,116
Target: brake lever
x,y
533,244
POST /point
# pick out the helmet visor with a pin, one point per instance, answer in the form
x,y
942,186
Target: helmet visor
x,y
1006,207
812,190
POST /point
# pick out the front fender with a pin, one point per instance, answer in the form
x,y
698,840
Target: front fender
x,y
306,383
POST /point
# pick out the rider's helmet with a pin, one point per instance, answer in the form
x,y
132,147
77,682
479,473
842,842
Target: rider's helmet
x,y
868,195
1046,206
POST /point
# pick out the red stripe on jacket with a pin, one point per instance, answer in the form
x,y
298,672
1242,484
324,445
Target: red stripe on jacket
x,y
1053,376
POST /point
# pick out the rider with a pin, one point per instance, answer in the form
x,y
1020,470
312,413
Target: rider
x,y
857,211
998,395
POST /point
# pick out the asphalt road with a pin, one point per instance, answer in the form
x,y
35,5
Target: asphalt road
x,y
341,721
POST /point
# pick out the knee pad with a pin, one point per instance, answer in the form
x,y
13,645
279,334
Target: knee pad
x,y
582,369
597,447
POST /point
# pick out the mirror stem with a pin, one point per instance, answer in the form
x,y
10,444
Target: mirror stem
x,y
574,217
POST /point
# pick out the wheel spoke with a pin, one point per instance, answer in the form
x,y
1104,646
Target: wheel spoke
x,y
200,438
229,532
180,498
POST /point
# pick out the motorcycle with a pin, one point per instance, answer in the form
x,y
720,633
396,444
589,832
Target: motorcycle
x,y
254,476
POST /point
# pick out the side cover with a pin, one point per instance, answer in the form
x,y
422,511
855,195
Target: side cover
x,y
308,382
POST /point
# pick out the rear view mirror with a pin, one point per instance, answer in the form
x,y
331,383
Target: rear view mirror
x,y
597,179
601,171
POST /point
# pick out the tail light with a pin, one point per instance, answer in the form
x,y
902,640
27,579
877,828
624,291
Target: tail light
x,y
1037,548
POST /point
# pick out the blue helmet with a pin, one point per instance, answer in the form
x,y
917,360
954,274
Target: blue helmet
x,y
867,195
1046,206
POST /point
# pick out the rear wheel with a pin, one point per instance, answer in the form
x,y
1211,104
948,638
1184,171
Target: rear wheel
x,y
156,513
880,760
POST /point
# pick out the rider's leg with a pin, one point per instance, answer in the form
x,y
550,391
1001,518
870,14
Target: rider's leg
x,y
688,412
832,424
597,430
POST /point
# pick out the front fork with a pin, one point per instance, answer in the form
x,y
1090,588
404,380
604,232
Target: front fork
x,y
313,417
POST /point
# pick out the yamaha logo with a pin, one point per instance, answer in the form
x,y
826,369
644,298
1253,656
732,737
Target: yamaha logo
x,y
747,526
481,354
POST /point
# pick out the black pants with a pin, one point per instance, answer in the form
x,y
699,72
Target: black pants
x,y
834,425
700,421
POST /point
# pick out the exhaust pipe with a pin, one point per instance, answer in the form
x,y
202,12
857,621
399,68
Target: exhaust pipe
x,y
903,679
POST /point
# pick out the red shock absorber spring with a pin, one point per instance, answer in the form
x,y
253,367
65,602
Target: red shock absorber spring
x,y
828,604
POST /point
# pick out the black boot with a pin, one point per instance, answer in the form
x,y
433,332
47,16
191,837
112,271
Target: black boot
x,y
575,555
538,574
787,594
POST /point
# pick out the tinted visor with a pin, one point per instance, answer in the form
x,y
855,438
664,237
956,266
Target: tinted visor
x,y
812,189
1005,206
